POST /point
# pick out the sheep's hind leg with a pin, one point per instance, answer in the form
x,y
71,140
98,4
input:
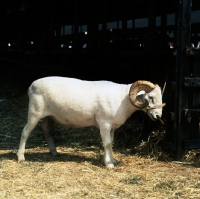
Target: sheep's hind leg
x,y
112,138
25,134
47,127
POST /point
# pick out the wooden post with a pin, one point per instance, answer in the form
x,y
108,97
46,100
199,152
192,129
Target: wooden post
x,y
104,25
164,23
164,37
124,30
51,25
195,100
151,28
133,29
182,70
92,27
75,35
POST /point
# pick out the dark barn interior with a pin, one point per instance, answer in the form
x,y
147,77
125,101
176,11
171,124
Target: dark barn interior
x,y
89,40
120,41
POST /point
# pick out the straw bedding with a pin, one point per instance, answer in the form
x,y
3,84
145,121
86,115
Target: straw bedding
x,y
144,170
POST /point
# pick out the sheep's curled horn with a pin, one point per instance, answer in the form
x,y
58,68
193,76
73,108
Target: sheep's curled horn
x,y
137,86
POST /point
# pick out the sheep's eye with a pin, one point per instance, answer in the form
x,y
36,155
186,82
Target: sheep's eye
x,y
151,98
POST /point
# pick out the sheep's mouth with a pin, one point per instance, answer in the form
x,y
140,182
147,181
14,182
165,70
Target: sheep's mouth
x,y
160,120
156,119
153,118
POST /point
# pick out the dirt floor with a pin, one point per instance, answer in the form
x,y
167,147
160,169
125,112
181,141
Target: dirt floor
x,y
79,171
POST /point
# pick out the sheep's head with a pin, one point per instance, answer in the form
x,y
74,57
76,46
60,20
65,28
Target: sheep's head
x,y
147,96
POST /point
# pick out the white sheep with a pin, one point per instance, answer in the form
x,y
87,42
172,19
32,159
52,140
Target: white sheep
x,y
77,103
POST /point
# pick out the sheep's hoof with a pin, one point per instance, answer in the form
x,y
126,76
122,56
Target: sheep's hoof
x,y
21,157
55,153
110,166
114,161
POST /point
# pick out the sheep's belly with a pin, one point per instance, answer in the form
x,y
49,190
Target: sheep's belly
x,y
75,122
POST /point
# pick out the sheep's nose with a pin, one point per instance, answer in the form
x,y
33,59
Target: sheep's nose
x,y
159,118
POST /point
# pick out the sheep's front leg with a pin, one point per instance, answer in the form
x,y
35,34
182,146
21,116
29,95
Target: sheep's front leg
x,y
107,143
47,127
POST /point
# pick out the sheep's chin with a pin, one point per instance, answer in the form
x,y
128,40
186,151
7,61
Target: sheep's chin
x,y
152,117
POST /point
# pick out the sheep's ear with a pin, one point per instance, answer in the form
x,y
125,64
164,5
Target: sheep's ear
x,y
141,96
142,92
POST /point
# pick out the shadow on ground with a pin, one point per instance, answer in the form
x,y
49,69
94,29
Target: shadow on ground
x,y
47,157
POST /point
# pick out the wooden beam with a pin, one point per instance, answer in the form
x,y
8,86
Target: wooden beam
x,y
182,70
